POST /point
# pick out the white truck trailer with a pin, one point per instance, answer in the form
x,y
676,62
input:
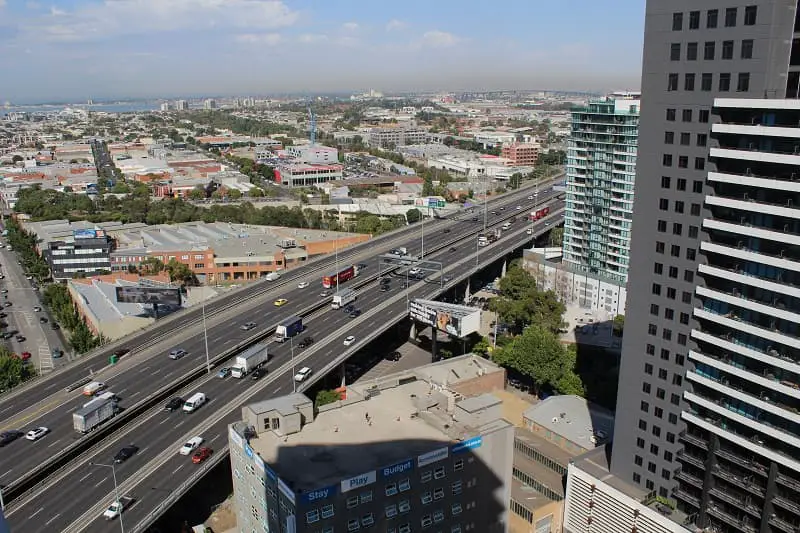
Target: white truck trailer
x,y
95,412
249,360
343,298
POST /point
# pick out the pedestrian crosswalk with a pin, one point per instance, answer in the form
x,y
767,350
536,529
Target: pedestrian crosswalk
x,y
45,359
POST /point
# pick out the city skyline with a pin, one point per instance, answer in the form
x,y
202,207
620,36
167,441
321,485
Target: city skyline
x,y
77,49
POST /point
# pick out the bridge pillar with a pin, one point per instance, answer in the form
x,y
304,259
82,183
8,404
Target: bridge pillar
x,y
434,334
412,335
343,373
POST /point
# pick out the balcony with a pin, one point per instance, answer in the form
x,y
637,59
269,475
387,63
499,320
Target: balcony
x,y
788,482
782,260
731,520
781,524
693,439
690,479
730,320
775,308
752,180
741,461
753,206
688,498
756,130
749,230
736,502
754,155
741,482
691,459
740,277
787,504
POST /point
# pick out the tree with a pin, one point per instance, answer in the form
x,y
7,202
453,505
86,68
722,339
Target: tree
x,y
151,266
13,370
413,215
538,354
16,158
515,180
556,236
198,193
325,397
234,194
522,303
180,272
619,325
256,192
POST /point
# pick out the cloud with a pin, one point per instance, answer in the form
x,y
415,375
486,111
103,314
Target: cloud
x,y
269,39
113,18
2,3
29,5
395,24
311,38
350,26
439,39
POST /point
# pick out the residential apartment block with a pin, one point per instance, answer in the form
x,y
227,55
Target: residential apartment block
x,y
601,168
392,137
521,154
400,455
707,412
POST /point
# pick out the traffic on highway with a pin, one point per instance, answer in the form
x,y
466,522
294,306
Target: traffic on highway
x,y
73,490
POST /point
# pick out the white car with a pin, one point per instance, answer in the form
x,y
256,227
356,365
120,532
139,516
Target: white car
x,y
247,326
37,433
414,272
191,445
530,197
37,309
302,374
349,340
519,208
302,285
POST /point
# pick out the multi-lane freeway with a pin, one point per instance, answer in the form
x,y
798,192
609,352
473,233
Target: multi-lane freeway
x,y
150,369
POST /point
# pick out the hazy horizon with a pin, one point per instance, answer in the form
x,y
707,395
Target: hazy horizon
x,y
72,50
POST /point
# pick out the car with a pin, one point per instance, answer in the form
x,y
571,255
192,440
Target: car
x,y
350,339
446,230
3,324
21,338
530,197
54,326
120,352
349,308
386,281
191,445
302,375
174,404
494,212
519,208
324,294
7,304
546,223
201,455
362,266
126,453
303,285
4,291
393,356
503,208
355,313
43,320
7,437
258,373
25,356
279,302
37,433
57,353
224,372
3,315
37,309
453,248
414,272
247,326
385,288
177,353
306,342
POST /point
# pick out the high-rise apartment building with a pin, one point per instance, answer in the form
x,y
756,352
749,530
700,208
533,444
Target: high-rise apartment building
x,y
401,454
710,375
601,167
181,105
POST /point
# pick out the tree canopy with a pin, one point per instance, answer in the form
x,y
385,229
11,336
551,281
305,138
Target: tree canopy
x,y
13,370
57,298
522,303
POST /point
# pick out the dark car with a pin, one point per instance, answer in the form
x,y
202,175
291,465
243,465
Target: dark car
x,y
121,352
7,437
453,248
43,319
385,288
355,313
362,265
21,338
54,325
3,315
7,335
258,373
3,324
393,356
306,342
474,219
349,308
126,453
446,230
174,404
386,281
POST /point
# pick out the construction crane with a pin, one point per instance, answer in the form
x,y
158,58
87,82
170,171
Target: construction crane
x,y
313,127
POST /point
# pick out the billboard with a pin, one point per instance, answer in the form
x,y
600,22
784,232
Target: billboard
x,y
149,295
456,320
88,233
431,202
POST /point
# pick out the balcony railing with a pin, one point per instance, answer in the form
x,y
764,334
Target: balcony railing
x,y
783,525
739,481
685,496
688,478
739,503
789,482
742,272
691,459
732,520
693,439
787,504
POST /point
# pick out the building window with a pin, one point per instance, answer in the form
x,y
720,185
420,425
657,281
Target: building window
x,y
681,186
702,139
640,442
697,186
675,399
438,493
438,516
678,206
426,476
699,163
693,231
662,374
650,349
312,516
638,460
750,13
666,334
648,368
455,509
711,18
660,247
688,276
366,497
660,393
666,160
367,520
727,49
704,114
743,83
695,209
725,82
426,520
681,339
673,272
391,489
458,465
642,425
438,473
708,50
405,528
691,51
391,511
683,161
686,139
671,293
747,49
404,485
646,388
426,498
663,204
677,21
694,20
327,511
672,82
679,359
404,506
456,487
686,297
353,525
644,407
675,52
706,81
656,431
691,254
684,318
662,226
656,289
352,502
637,478
686,115
671,114
654,449
669,314
669,137
688,82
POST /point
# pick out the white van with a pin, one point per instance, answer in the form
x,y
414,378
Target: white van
x,y
92,388
197,399
273,276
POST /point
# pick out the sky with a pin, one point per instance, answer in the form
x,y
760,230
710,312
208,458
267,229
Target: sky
x,y
62,50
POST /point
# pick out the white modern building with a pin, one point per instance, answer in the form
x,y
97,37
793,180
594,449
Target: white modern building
x,y
315,154
601,167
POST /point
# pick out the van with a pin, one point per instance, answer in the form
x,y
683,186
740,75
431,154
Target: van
x,y
197,399
91,388
273,276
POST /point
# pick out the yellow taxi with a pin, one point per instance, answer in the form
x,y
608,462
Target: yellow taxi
x,y
280,301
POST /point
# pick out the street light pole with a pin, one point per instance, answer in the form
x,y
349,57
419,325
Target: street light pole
x,y
422,252
294,370
2,505
336,262
205,338
116,490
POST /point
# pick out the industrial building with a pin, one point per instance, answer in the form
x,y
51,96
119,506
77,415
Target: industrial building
x,y
393,137
303,175
85,253
601,169
403,453
314,154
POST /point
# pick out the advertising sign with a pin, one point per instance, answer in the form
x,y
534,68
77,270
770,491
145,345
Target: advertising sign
x,y
432,457
456,320
319,494
84,234
422,313
431,202
358,481
285,490
449,323
149,295
464,446
398,468
248,451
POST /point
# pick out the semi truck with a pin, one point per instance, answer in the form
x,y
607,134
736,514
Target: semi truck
x,y
95,412
344,297
540,213
249,360
288,328
485,239
334,278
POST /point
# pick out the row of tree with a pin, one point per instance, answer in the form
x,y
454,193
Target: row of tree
x,y
57,298
533,318
24,244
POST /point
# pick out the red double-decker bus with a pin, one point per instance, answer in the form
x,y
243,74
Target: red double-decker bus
x,y
331,280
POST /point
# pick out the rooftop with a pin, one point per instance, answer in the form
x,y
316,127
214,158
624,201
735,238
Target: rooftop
x,y
573,418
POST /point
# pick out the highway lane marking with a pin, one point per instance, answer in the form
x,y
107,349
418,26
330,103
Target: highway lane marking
x,y
164,421
179,467
213,439
145,369
7,473
84,477
122,391
37,512
53,444
52,519
100,482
